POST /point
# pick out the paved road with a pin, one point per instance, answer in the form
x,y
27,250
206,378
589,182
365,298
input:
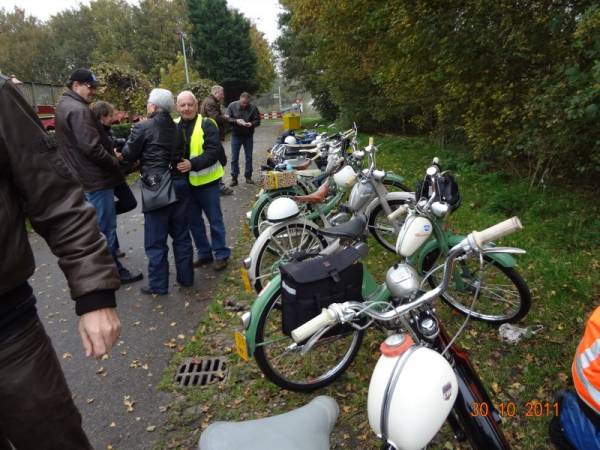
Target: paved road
x,y
104,389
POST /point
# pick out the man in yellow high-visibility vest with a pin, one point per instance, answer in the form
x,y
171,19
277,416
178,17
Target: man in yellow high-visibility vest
x,y
201,154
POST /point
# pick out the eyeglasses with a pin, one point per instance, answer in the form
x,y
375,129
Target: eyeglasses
x,y
90,86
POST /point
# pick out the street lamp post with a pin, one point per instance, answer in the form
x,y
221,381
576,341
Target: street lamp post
x,y
185,64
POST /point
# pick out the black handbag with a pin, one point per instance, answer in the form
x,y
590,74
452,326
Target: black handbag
x,y
157,191
309,285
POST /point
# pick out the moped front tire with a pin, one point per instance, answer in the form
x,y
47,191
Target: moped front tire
x,y
286,367
504,296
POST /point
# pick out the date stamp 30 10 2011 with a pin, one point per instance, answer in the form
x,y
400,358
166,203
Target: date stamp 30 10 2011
x,y
532,408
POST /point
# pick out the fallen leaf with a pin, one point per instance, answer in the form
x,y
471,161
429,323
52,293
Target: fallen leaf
x,y
67,356
129,403
104,357
112,425
89,400
150,428
100,370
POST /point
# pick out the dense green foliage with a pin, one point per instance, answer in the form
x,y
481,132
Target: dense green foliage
x,y
221,40
143,37
125,88
265,61
173,76
518,82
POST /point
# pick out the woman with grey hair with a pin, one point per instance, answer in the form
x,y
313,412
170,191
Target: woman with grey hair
x,y
153,142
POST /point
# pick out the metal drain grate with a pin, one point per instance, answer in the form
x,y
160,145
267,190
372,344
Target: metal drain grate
x,y
202,371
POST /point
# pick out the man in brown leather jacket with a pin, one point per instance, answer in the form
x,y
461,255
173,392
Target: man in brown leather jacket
x,y
78,134
36,408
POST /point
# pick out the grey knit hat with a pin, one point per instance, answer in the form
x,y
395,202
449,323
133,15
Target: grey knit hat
x,y
162,98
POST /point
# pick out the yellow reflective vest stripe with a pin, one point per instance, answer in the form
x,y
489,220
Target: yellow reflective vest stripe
x,y
208,174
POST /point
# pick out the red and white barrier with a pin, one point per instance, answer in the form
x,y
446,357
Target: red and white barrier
x,y
271,115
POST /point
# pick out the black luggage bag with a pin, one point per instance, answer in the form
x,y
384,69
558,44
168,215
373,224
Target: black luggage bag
x,y
310,283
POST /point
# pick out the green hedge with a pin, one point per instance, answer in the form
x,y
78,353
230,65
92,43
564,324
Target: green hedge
x,y
122,130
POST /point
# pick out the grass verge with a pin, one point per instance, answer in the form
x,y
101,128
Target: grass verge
x,y
562,239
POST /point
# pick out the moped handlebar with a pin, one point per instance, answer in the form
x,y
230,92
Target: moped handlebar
x,y
343,312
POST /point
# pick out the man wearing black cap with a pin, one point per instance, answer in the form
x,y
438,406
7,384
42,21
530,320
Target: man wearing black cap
x,y
79,139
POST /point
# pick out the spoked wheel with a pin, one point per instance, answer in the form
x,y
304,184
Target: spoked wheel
x,y
381,228
281,246
279,357
503,294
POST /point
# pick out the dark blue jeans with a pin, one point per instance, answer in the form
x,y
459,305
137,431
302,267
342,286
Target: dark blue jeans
x,y
207,200
158,225
236,145
104,203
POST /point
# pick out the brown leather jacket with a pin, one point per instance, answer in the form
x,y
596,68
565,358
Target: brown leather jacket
x,y
35,181
78,134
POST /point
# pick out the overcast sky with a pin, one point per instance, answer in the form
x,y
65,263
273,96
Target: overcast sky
x,y
262,12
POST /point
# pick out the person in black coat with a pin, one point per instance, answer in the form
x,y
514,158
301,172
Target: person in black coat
x,y
153,143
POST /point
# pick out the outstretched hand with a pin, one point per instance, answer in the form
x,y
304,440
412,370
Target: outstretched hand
x,y
99,330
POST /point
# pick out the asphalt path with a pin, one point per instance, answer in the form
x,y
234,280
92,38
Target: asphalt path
x,y
117,396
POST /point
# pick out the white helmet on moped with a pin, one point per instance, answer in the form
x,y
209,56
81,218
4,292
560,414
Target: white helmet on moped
x,y
281,209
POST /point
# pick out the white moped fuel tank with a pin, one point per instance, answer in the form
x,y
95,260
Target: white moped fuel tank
x,y
411,393
413,234
345,178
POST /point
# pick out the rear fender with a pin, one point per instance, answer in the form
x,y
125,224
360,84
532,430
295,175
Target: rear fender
x,y
257,309
405,196
268,196
391,176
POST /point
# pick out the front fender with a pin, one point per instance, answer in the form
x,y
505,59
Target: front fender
x,y
257,309
391,176
504,259
405,196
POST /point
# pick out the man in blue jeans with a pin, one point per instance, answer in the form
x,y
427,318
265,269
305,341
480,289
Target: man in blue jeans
x,y
201,153
95,166
244,118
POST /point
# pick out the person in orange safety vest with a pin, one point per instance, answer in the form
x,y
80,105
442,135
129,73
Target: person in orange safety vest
x,y
577,425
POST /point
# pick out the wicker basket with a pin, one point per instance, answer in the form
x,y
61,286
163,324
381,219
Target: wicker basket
x,y
276,180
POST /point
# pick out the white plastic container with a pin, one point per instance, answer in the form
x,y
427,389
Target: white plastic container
x,y
414,232
417,388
